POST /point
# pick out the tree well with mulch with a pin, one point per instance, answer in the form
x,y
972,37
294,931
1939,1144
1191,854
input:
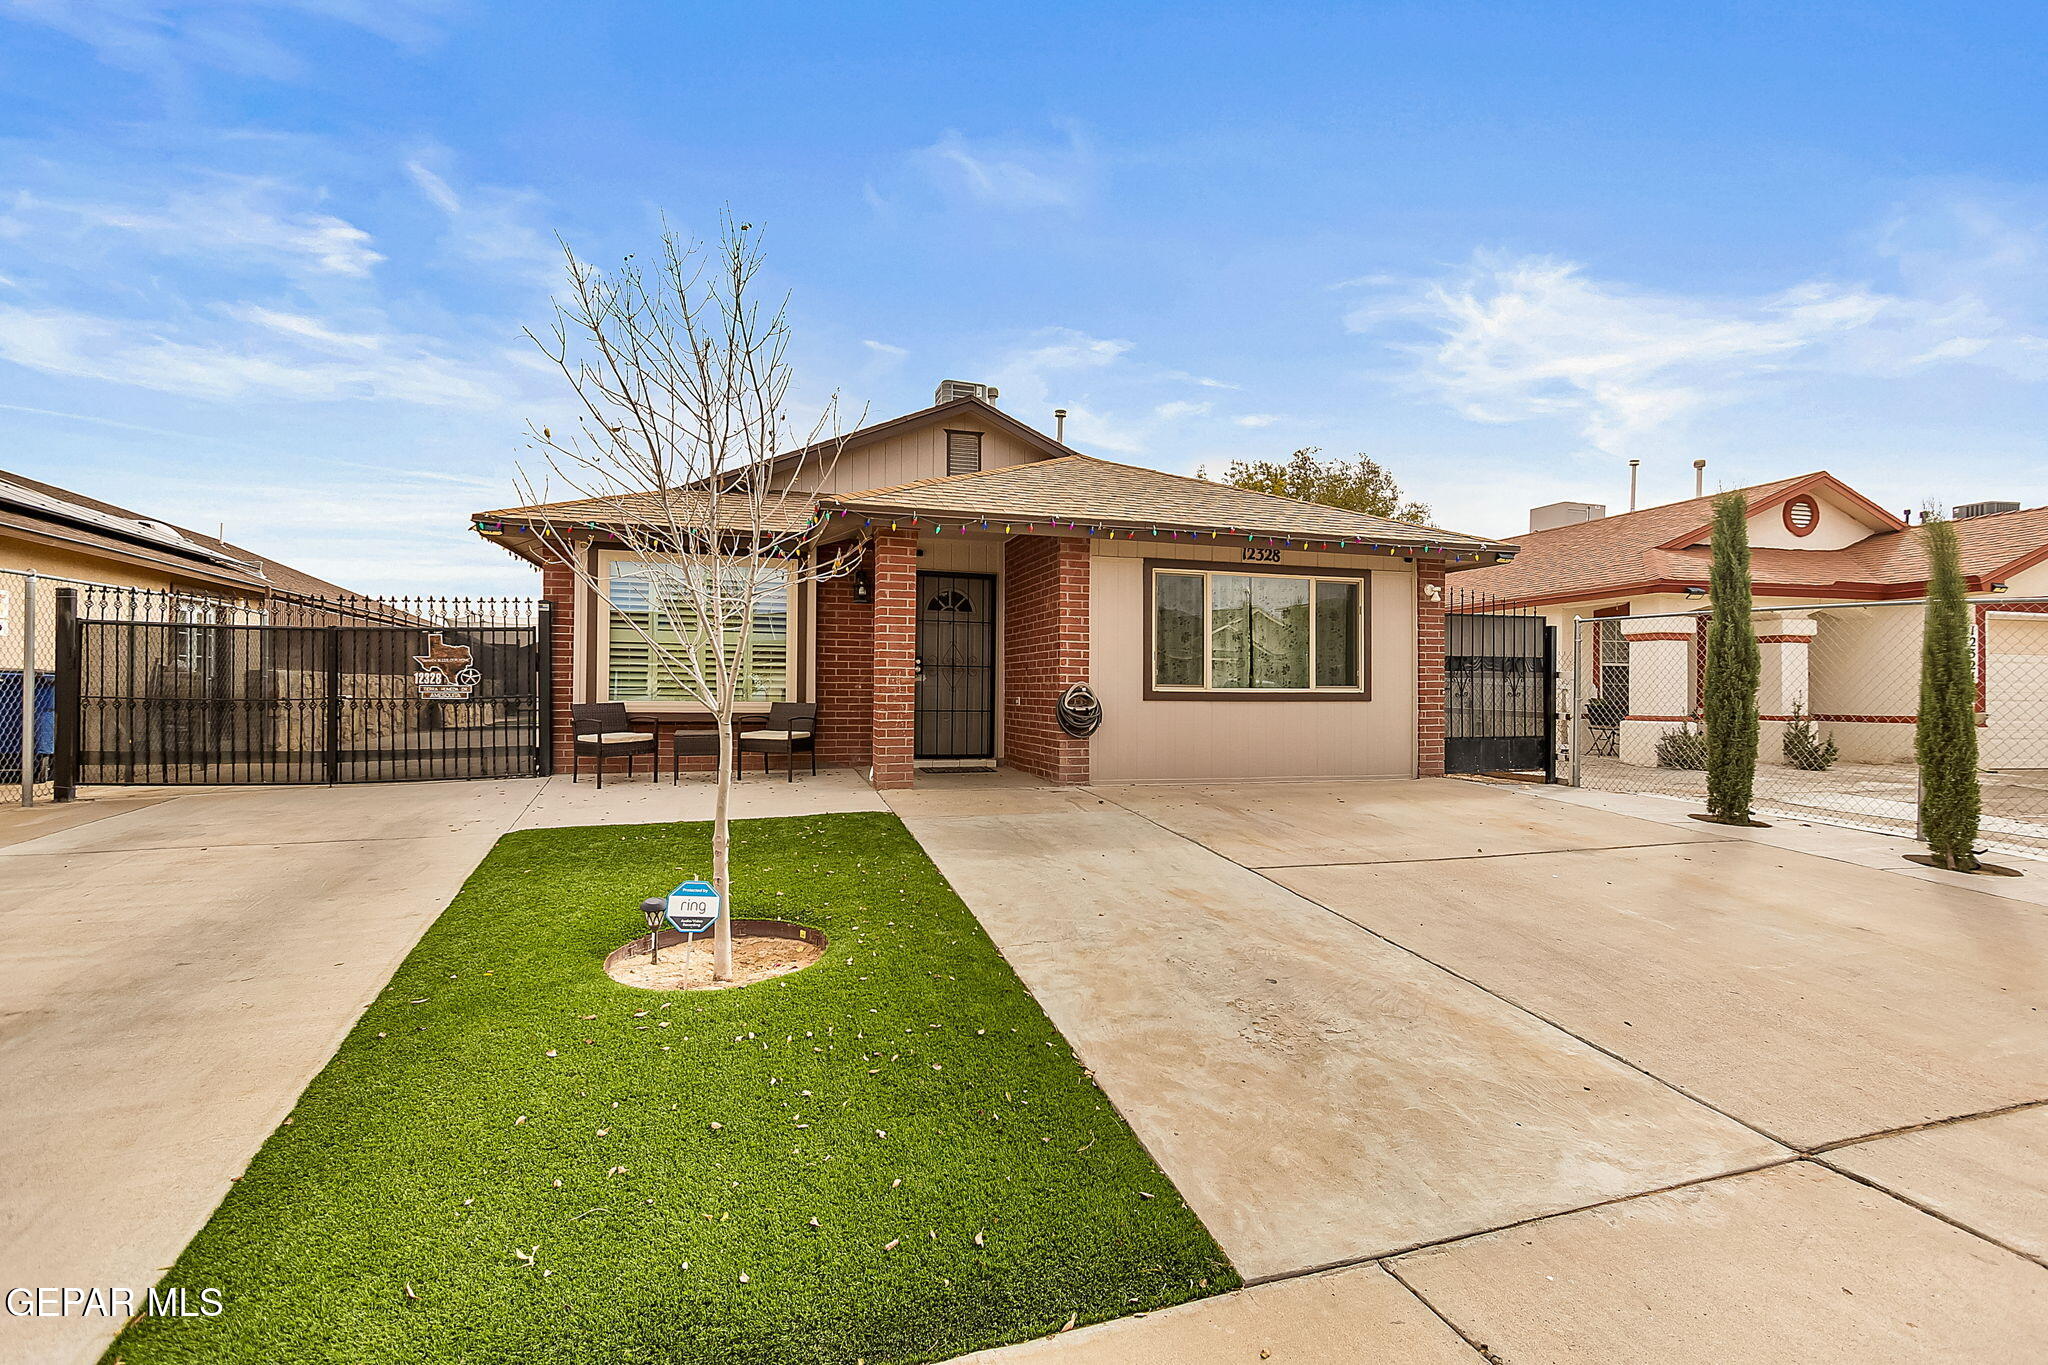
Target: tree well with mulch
x,y
889,1156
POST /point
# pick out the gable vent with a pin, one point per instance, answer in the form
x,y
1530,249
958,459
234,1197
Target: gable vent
x,y
1801,515
963,452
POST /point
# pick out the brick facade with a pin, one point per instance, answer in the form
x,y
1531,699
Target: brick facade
x,y
845,673
1429,669
892,708
558,587
865,664
1045,650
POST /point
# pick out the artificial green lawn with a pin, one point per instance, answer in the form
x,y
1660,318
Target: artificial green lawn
x,y
665,1155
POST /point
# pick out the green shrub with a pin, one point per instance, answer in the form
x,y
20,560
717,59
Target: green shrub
x,y
1806,747
1945,738
1682,749
1734,665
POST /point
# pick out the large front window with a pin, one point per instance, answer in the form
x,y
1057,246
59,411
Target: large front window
x,y
656,629
1237,632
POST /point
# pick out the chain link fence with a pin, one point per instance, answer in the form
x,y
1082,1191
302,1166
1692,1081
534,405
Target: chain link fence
x,y
28,683
1839,698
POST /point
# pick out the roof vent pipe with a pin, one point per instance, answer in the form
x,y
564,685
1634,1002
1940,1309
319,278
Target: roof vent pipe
x,y
1634,466
1699,478
1059,425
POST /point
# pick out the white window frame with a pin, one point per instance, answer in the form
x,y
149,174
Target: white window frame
x,y
1361,582
600,637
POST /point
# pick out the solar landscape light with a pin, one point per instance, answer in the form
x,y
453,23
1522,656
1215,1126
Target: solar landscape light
x,y
652,910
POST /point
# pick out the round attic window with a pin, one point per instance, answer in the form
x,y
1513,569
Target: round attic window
x,y
1802,514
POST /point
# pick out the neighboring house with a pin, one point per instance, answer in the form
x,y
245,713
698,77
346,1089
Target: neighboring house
x,y
1228,634
53,531
1816,540
181,578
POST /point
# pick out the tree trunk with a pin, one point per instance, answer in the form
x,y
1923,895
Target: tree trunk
x,y
721,857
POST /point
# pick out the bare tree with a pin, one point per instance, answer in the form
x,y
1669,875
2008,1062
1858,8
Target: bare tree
x,y
682,384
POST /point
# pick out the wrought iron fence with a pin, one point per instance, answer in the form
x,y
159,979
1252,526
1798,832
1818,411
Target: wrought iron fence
x,y
183,688
1499,674
1839,699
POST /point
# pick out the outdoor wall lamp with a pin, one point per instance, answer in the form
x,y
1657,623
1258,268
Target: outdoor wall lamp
x,y
1695,593
863,586
652,910
2000,587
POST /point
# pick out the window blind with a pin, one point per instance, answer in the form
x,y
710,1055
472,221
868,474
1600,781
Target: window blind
x,y
642,668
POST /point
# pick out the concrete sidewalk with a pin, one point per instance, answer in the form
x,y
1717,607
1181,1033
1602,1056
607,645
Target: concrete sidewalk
x,y
1555,1080
177,968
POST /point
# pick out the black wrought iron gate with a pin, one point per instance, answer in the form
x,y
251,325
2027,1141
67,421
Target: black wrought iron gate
x,y
1500,700
179,702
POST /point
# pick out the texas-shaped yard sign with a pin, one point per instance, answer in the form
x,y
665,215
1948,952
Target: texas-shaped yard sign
x,y
446,672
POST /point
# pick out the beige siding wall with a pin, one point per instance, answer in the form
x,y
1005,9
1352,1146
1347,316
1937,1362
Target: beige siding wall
x,y
917,454
1225,740
29,556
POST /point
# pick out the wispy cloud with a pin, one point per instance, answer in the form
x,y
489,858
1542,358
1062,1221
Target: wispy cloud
x,y
1116,401
1015,174
295,358
885,350
487,225
231,217
161,38
1512,339
1256,419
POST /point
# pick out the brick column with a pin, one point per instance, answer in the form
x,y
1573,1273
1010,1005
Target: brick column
x,y
1429,669
846,671
558,586
1045,651
892,712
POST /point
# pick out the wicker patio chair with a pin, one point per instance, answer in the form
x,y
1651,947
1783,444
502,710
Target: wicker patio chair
x,y
604,731
791,729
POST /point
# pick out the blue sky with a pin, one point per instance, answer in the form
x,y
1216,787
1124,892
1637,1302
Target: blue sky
x,y
266,263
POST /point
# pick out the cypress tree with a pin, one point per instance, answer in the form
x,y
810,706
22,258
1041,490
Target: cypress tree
x,y
1734,665
1945,738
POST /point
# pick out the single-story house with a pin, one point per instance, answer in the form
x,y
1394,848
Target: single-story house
x,y
57,533
1228,634
1815,540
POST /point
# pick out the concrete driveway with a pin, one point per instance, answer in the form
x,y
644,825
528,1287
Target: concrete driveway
x,y
177,968
1513,1072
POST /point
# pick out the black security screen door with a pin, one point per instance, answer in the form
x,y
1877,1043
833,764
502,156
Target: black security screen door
x,y
956,665
1498,700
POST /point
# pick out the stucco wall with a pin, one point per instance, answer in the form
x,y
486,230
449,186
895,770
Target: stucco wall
x,y
1838,525
1222,740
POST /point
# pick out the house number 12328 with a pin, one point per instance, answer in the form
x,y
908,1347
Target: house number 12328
x,y
1262,554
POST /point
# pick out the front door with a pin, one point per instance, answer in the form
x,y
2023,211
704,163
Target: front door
x,y
956,665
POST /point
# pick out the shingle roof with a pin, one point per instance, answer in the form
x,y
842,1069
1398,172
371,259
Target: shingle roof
x,y
791,513
1081,488
1627,553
